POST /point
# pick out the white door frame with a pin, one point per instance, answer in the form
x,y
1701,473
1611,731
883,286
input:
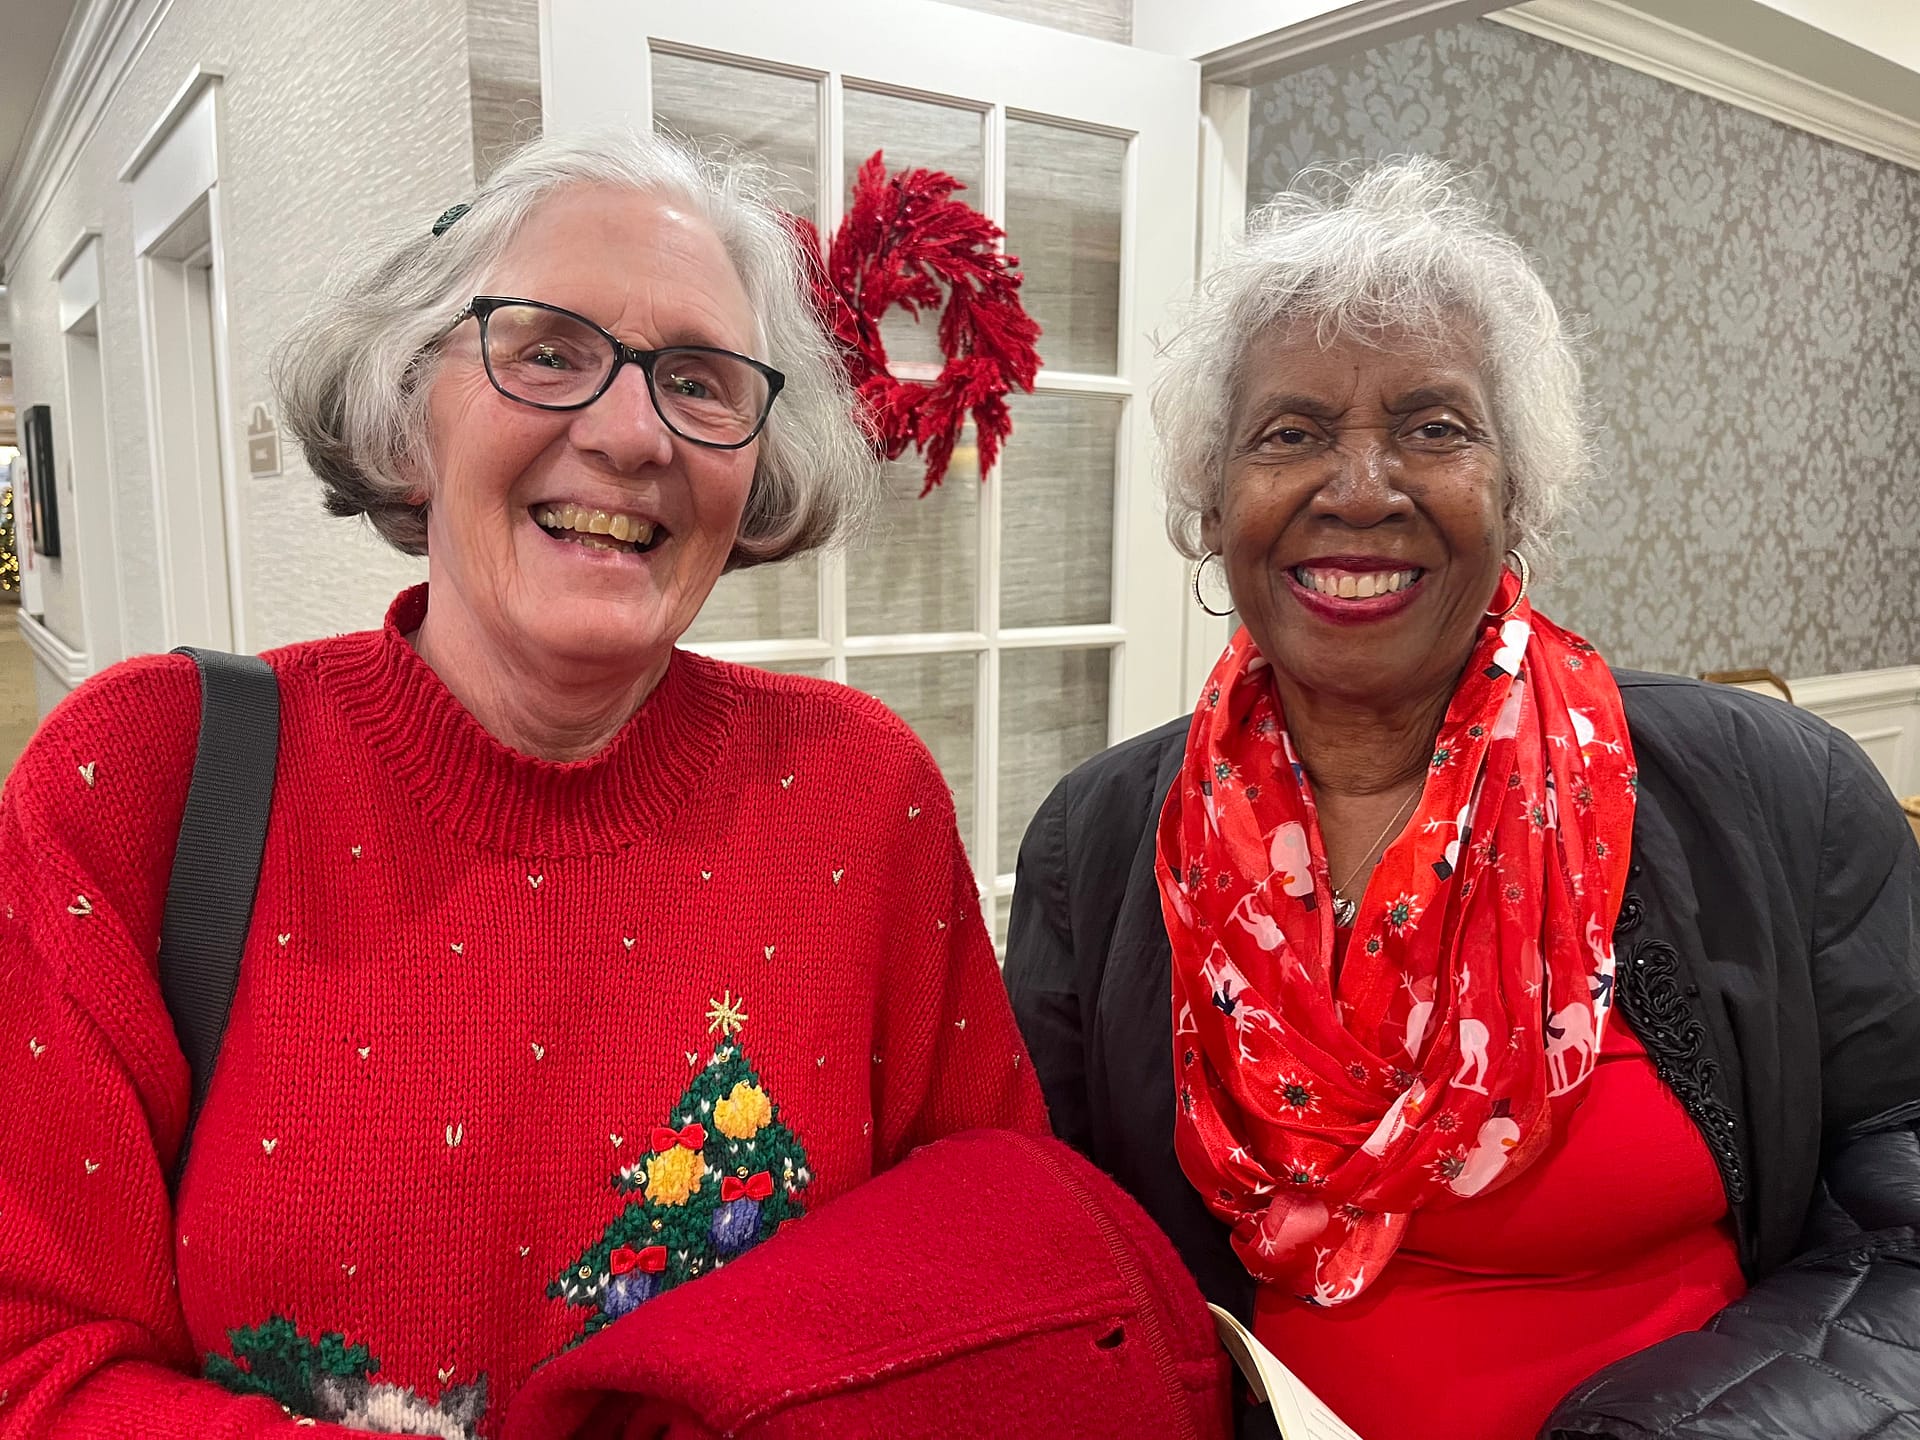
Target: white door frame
x,y
173,172
89,467
1224,123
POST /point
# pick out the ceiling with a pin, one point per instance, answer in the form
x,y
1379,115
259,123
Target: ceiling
x,y
30,32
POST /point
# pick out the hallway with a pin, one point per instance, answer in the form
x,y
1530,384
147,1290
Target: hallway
x,y
18,717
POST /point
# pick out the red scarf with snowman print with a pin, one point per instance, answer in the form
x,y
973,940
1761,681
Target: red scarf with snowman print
x,y
1316,1114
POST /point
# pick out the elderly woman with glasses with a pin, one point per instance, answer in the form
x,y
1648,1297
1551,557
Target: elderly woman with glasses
x,y
579,963
1485,1025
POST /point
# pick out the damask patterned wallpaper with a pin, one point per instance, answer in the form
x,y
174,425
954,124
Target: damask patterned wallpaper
x,y
1753,296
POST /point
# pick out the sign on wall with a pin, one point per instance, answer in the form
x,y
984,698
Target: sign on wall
x,y
263,443
37,450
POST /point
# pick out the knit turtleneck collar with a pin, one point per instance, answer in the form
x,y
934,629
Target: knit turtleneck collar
x,y
501,799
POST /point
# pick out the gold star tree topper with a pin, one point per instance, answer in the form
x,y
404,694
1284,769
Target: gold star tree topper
x,y
725,1014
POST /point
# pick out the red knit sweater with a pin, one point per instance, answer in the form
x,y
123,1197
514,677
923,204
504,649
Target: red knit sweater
x,y
517,1044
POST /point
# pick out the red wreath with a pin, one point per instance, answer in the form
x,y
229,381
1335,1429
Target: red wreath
x,y
906,242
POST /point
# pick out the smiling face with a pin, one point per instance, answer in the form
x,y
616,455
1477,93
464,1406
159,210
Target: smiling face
x,y
1361,519
514,486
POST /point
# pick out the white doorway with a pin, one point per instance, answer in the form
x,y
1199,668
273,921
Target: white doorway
x,y
192,483
1022,624
96,556
174,174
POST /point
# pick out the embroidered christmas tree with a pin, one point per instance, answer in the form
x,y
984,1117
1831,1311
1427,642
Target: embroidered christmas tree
x,y
721,1175
330,1380
277,1361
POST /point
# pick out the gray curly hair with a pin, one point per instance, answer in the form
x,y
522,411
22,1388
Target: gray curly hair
x,y
354,381
1403,247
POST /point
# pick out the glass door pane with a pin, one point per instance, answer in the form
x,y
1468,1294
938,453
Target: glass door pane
x,y
1053,715
914,134
919,569
775,117
937,696
1065,196
1056,508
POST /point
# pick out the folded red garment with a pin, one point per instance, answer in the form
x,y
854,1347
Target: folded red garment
x,y
991,1283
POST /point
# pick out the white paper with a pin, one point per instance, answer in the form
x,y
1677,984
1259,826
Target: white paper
x,y
1298,1413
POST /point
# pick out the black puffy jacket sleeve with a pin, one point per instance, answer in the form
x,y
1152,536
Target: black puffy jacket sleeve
x,y
1826,1347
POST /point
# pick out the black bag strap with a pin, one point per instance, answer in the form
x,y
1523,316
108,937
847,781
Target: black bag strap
x,y
216,866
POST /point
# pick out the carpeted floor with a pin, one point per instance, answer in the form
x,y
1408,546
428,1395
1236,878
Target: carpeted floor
x,y
19,712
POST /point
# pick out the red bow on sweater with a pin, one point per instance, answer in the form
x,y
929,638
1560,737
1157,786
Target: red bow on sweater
x,y
651,1260
756,1187
694,1137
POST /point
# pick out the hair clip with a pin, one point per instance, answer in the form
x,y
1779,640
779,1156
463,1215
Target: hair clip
x,y
445,222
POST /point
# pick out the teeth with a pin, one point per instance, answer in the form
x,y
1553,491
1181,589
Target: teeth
x,y
1352,585
583,521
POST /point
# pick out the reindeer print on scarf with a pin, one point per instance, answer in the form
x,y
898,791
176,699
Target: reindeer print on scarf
x,y
1320,1105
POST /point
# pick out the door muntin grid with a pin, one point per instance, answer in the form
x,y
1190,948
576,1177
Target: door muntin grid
x,y
981,616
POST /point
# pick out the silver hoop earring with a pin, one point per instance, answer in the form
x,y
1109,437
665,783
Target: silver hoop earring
x,y
1200,599
1526,579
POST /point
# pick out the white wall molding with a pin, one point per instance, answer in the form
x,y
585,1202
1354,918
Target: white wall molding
x,y
102,42
78,280
184,99
1855,690
88,234
1340,31
177,161
1625,36
66,664
1880,709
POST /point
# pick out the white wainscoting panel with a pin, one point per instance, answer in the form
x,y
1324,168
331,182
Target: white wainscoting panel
x,y
1878,708
65,664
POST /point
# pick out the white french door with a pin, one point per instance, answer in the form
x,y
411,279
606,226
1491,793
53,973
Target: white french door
x,y
1024,623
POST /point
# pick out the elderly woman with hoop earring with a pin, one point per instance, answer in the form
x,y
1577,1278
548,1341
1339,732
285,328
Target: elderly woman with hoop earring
x,y
1516,1045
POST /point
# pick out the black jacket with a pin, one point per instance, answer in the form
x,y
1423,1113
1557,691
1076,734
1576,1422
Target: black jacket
x,y
1769,960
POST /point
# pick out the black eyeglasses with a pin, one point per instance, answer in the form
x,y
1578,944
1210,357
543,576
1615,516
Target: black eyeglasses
x,y
553,359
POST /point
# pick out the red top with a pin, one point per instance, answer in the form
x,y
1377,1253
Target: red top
x,y
517,1044
1487,1317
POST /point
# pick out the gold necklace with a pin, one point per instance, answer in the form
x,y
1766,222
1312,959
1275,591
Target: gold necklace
x,y
1345,910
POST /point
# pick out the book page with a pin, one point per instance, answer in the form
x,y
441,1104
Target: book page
x,y
1298,1413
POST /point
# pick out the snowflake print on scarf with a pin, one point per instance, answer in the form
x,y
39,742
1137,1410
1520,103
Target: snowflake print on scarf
x,y
1316,1114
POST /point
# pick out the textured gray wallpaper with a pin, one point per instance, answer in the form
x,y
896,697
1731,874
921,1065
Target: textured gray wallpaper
x,y
1754,355
1102,19
503,76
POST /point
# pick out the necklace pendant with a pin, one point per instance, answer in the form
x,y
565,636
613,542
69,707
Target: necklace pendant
x,y
1345,911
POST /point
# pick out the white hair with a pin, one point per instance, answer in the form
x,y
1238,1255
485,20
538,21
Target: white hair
x,y
354,380
1400,247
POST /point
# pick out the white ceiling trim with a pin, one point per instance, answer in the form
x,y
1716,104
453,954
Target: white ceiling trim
x,y
1330,36
1654,47
99,48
